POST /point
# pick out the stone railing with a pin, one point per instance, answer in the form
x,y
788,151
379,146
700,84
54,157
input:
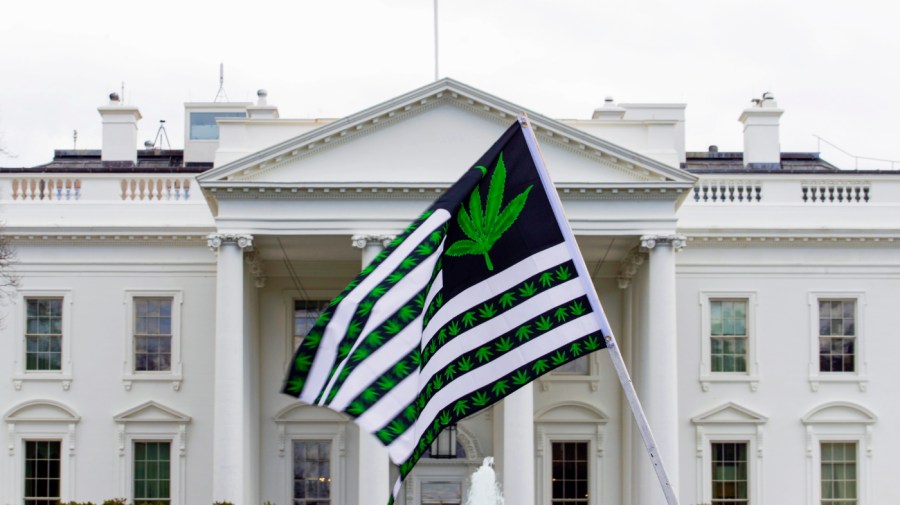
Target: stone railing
x,y
45,188
730,191
155,188
835,191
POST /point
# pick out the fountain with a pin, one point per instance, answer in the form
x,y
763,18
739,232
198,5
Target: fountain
x,y
484,489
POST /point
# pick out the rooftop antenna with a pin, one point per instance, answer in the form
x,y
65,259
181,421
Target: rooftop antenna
x,y
74,140
221,92
161,136
123,92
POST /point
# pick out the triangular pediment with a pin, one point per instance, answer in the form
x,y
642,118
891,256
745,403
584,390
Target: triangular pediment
x,y
428,138
730,413
152,412
839,413
45,411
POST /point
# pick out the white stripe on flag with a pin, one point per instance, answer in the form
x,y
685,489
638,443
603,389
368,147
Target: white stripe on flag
x,y
376,364
438,281
487,331
557,338
396,297
390,405
494,285
334,332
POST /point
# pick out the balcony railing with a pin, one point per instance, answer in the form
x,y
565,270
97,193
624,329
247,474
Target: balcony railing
x,y
42,188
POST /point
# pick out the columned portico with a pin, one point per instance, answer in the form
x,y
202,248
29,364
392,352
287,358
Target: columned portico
x,y
374,464
657,365
232,459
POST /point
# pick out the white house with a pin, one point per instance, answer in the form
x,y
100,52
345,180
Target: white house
x,y
164,291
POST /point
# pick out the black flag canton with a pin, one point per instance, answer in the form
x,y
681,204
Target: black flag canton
x,y
533,228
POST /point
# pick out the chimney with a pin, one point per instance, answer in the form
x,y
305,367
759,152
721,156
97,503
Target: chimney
x,y
262,109
119,130
609,111
762,147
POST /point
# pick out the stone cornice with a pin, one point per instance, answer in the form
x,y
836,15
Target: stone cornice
x,y
107,239
795,239
238,190
675,241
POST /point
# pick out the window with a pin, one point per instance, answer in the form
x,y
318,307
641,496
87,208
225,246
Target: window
x,y
728,347
441,493
837,335
152,334
580,366
837,338
43,349
42,472
569,473
306,312
729,473
312,472
839,442
152,472
43,334
203,124
838,473
729,454
728,335
153,337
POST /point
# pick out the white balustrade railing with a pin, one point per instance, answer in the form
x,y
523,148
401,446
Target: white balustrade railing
x,y
727,191
155,188
835,191
45,188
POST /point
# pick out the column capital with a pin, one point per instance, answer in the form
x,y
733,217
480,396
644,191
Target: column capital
x,y
676,242
362,241
629,266
243,240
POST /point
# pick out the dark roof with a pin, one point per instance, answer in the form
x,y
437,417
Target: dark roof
x,y
703,162
88,161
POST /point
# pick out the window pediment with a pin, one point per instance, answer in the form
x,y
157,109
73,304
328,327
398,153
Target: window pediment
x,y
730,413
840,412
47,411
152,412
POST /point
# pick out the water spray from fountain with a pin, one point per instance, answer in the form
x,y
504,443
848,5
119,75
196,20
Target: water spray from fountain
x,y
484,489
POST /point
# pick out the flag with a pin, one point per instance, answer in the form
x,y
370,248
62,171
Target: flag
x,y
479,296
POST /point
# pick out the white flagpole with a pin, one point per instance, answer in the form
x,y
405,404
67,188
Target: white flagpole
x,y
435,40
613,348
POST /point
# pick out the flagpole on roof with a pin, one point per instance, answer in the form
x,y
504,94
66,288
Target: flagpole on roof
x,y
611,345
435,40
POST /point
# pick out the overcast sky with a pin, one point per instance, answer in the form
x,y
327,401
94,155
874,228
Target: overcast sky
x,y
832,65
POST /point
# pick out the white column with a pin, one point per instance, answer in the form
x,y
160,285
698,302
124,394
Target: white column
x,y
517,472
374,485
658,365
232,465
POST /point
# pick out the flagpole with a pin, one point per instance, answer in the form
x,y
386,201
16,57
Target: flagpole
x,y
435,40
615,356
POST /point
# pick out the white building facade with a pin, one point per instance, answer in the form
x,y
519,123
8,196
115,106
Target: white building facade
x,y
162,294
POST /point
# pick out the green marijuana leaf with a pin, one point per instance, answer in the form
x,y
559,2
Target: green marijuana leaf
x,y
527,289
561,314
483,354
521,377
453,329
500,387
507,300
485,225
461,407
487,311
465,364
562,273
578,309
540,366
524,332
544,323
546,279
469,318
592,344
559,358
576,349
480,399
503,345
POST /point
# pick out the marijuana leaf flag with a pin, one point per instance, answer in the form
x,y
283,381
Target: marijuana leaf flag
x,y
482,294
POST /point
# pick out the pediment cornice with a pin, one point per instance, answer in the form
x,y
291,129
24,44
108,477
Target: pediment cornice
x,y
445,91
